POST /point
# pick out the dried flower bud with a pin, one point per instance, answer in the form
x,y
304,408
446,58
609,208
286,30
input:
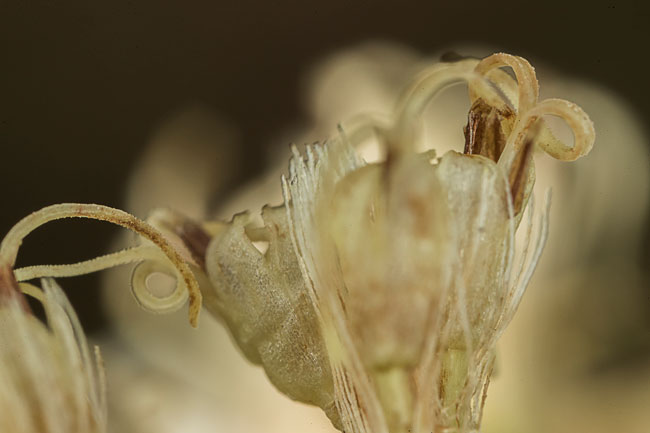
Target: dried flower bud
x,y
385,287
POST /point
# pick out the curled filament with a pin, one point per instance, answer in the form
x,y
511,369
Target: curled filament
x,y
157,255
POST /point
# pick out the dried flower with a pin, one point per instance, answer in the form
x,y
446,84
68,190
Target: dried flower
x,y
385,286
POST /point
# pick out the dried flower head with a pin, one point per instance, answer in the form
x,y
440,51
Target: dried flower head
x,y
385,286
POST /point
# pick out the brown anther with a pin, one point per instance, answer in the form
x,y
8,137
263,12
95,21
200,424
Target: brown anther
x,y
487,130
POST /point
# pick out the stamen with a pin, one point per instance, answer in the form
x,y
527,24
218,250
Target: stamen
x,y
126,256
582,127
186,282
487,129
143,295
413,102
528,88
574,116
33,291
364,126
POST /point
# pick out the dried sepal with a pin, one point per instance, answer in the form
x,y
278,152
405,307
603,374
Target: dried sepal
x,y
261,297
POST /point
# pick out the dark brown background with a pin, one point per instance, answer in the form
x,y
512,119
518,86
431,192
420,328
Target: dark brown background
x,y
84,82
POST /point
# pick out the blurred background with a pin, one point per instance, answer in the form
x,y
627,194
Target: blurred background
x,y
138,104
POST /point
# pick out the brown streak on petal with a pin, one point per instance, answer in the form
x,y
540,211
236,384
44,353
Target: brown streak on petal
x,y
518,173
343,306
388,166
358,403
419,209
486,386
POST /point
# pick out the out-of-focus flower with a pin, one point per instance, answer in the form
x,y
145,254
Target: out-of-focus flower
x,y
49,382
383,288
